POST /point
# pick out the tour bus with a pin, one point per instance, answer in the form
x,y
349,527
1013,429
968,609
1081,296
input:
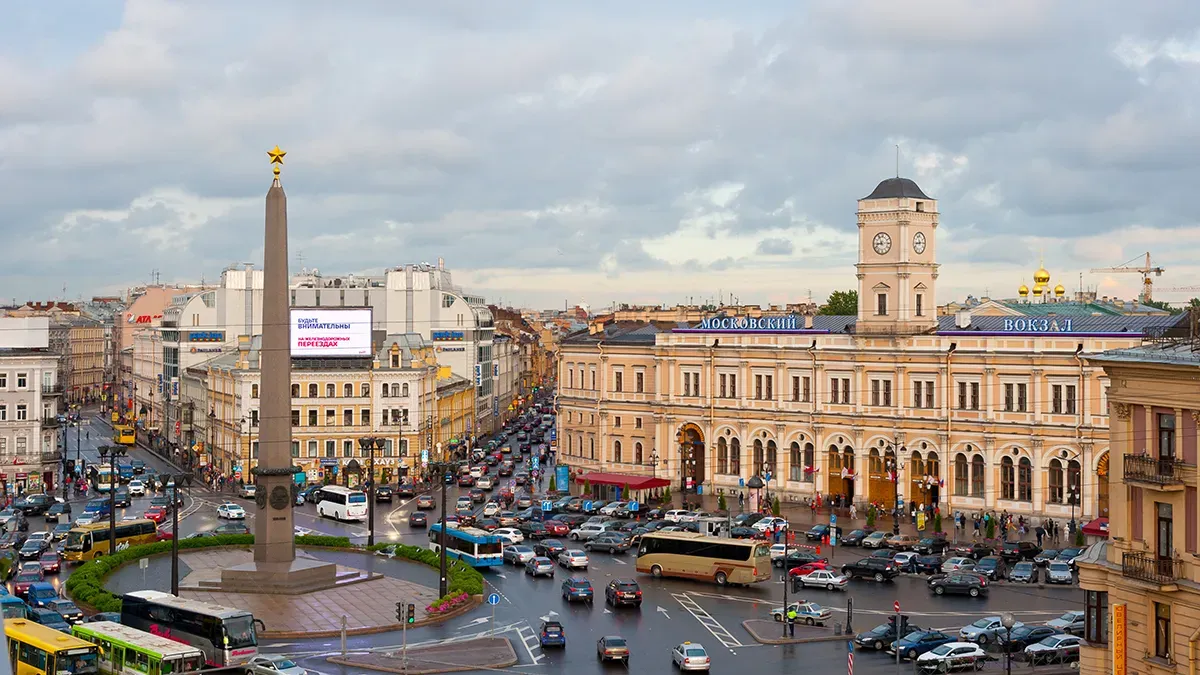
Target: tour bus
x,y
690,555
124,649
226,636
88,542
35,649
123,434
101,477
335,501
473,546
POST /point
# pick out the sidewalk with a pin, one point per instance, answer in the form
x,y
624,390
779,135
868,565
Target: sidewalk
x,y
469,655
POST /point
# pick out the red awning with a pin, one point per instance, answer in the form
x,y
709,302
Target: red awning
x,y
1096,528
622,480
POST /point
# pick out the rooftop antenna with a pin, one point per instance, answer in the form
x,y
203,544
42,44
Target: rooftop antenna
x,y
300,261
897,160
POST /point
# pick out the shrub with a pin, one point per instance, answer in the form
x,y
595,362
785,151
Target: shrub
x,y
666,495
991,528
775,507
721,504
1079,538
553,485
460,578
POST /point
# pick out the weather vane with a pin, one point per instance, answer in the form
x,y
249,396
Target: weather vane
x,y
276,156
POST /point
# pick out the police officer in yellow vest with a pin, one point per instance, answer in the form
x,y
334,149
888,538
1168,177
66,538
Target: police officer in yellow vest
x,y
791,620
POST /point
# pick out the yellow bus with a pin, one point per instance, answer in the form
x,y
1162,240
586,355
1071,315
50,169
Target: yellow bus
x,y
88,542
690,555
37,650
124,435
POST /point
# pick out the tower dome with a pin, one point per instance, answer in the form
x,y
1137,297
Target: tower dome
x,y
1038,289
1059,291
1041,277
1023,291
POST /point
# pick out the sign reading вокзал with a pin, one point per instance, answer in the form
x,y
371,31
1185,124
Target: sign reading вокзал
x,y
331,333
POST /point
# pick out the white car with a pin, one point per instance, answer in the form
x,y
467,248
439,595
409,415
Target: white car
x,y
85,519
231,510
1054,649
951,656
770,523
676,515
778,551
611,508
39,536
476,472
573,558
690,656
137,488
484,483
586,531
824,579
510,534
275,665
490,509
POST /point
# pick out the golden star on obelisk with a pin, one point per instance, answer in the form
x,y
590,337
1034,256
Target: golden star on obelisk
x,y
276,156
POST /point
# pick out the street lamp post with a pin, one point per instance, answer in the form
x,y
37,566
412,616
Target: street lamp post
x,y
1073,496
1008,622
212,436
893,467
440,467
175,533
369,445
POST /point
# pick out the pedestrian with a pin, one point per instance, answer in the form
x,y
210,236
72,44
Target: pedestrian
x,y
976,523
1039,532
791,619
853,512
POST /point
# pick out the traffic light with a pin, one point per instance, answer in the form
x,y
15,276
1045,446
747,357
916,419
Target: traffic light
x,y
903,626
412,613
797,585
892,623
400,612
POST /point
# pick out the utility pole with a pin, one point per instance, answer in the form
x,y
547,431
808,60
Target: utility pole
x,y
175,535
368,445
443,586
113,451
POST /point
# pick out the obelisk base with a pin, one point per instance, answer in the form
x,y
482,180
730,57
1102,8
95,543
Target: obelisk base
x,y
285,578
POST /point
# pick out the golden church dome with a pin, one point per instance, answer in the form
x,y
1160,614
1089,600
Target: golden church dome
x,y
1023,291
1059,291
1038,289
1041,277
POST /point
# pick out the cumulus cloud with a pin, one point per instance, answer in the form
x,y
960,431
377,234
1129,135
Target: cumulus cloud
x,y
626,152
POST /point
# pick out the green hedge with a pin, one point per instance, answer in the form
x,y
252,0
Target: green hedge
x,y
86,584
460,578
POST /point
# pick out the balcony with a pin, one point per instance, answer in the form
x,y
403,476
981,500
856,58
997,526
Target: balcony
x,y
1165,472
1150,568
52,389
51,457
50,423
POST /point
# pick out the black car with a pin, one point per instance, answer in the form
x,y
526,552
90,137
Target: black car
x,y
878,569
1042,559
931,545
798,558
1022,637
406,489
1019,550
57,511
623,592
139,466
505,470
549,548
993,567
974,550
927,564
121,498
383,493
34,505
417,519
881,636
231,528
820,531
973,585
855,537
743,533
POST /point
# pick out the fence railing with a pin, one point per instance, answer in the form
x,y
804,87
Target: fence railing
x,y
1157,470
1147,567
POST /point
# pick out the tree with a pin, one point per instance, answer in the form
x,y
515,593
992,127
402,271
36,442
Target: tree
x,y
775,507
871,516
553,485
991,528
841,303
667,495
1079,539
587,486
721,504
1159,304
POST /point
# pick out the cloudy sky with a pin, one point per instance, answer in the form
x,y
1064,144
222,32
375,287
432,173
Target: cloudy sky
x,y
627,151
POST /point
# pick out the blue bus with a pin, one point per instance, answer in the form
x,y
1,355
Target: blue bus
x,y
13,607
474,547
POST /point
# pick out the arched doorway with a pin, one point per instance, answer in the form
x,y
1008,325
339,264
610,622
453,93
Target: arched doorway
x,y
849,473
881,490
352,475
691,455
1102,486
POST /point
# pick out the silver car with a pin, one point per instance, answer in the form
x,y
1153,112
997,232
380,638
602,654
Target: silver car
x,y
984,630
1071,622
1059,573
517,555
539,566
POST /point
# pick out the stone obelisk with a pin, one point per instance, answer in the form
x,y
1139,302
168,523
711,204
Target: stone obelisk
x,y
275,568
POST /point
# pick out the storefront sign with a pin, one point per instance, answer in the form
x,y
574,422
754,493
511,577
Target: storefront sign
x,y
142,318
445,335
478,374
206,336
496,370
205,350
452,349
328,461
751,324
1038,325
1119,638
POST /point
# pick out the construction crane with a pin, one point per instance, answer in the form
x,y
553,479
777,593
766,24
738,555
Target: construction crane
x,y
1145,270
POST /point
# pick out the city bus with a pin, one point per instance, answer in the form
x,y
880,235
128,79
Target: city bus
x,y
88,542
473,546
123,434
690,555
339,503
102,477
35,649
12,607
124,649
226,636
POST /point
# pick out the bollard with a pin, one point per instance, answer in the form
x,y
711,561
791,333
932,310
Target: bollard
x,y
837,628
343,636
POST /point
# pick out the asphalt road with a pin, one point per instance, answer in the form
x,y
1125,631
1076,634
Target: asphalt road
x,y
673,611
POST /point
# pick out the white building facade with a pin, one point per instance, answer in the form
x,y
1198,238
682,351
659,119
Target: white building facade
x,y
31,459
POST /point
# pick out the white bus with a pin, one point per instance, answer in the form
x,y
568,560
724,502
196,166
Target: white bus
x,y
335,501
228,637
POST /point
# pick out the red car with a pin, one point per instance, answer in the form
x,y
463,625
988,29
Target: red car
x,y
163,534
156,513
556,527
808,567
51,562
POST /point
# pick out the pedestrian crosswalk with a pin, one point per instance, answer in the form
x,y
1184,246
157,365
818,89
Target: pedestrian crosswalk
x,y
710,624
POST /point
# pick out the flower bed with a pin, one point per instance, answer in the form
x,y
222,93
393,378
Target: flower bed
x,y
448,604
461,578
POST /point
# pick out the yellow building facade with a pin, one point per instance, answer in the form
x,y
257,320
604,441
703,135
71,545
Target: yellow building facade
x,y
454,423
1143,586
992,413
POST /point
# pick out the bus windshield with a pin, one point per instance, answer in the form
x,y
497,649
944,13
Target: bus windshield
x,y
239,632
82,663
358,498
78,541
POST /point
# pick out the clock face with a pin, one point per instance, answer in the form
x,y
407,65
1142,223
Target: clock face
x,y
882,243
919,242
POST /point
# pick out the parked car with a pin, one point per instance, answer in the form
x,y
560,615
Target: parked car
x,y
1060,648
1069,555
955,564
959,584
1059,573
914,644
854,537
871,568
902,542
1019,550
1042,559
984,630
903,560
874,540
824,579
974,550
927,564
952,656
993,567
931,545
819,531
882,635
1024,572
613,542
231,528
623,592
1071,622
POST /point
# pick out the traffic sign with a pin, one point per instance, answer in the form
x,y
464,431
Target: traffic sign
x,y
633,506
587,506
896,606
833,519
494,599
741,482
548,505
537,463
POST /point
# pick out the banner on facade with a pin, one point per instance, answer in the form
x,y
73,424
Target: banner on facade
x,y
1119,638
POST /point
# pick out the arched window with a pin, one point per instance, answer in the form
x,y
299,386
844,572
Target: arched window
x,y
395,389
329,390
932,466
772,459
809,460
1074,482
383,390
347,390
875,462
1008,489
722,456
617,452
757,466
404,389
295,391
835,460
366,389
1054,492
312,390
1025,480
637,453
570,444
796,460
977,476
735,457
592,448
961,478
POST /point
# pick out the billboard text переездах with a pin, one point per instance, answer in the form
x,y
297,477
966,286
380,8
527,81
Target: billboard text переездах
x,y
331,332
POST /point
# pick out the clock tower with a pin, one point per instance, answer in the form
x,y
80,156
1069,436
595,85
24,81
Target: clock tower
x,y
897,268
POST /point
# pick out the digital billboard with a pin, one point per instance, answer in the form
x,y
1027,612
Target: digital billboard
x,y
331,333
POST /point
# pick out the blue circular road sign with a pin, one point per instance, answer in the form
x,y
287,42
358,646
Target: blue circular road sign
x,y
494,599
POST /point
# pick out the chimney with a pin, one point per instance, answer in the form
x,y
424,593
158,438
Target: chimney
x,y
808,320
962,319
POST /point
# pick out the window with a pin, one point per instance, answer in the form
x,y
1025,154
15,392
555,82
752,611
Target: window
x,y
312,417
253,418
22,445
570,377
617,422
796,461
1062,399
806,389
617,452
618,381
395,386
312,390
637,423
3,412
1055,492
1074,482
875,392
1095,618
593,379
365,417
834,385
961,477
691,384
759,457
1015,397
3,380
254,391
1166,436
796,392
348,417
331,448
347,390
591,448
763,387
404,389
395,360
366,390
968,396
735,457
383,390
347,448
22,412
330,416
295,417
881,304
977,476
758,387
1007,479
722,456
330,390
1162,630
312,448
920,304
1165,546
1025,480
722,389
881,393
295,391
22,381
637,451
639,381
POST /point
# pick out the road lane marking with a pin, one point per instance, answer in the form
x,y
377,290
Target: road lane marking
x,y
533,646
879,612
710,624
